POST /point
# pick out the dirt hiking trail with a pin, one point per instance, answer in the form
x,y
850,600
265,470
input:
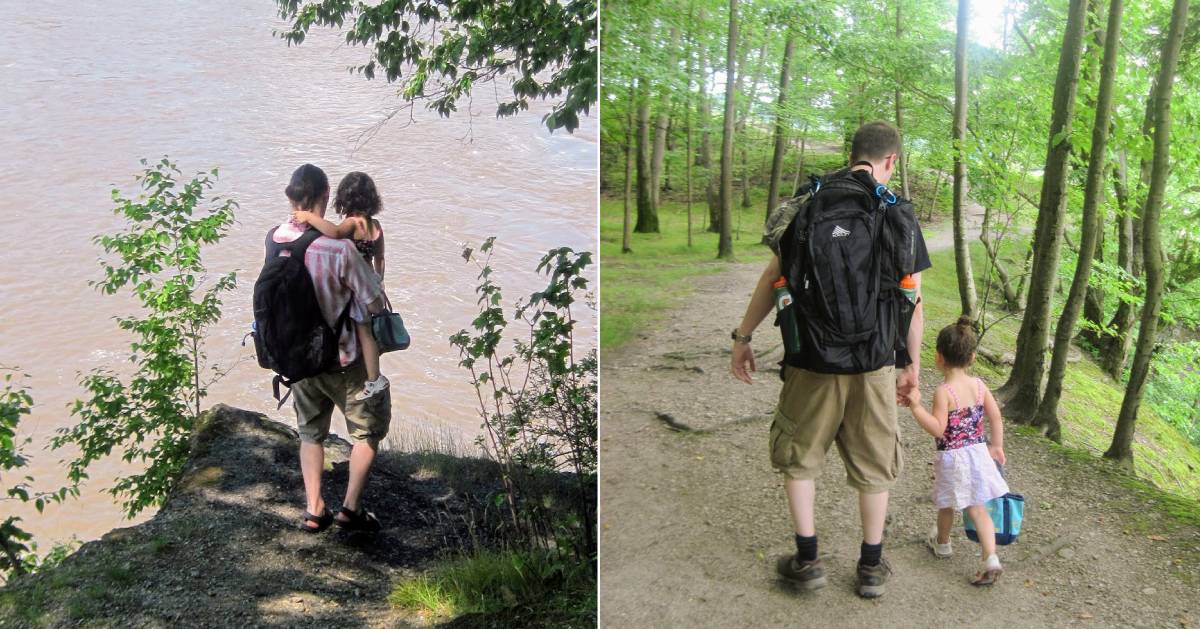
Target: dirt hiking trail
x,y
693,517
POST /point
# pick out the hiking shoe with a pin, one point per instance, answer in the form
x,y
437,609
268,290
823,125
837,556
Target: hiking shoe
x,y
372,387
942,551
809,575
872,578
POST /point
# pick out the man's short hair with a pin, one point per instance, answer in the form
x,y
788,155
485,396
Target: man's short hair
x,y
874,140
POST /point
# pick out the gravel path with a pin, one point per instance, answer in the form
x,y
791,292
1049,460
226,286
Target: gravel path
x,y
692,516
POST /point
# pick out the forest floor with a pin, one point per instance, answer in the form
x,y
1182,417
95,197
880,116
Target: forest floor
x,y
693,518
226,549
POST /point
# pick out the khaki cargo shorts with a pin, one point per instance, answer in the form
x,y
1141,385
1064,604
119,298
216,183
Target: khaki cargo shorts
x,y
315,398
858,411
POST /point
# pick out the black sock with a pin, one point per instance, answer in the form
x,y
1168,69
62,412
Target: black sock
x,y
806,548
870,554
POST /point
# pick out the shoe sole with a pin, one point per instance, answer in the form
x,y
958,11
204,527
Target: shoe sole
x,y
870,591
804,584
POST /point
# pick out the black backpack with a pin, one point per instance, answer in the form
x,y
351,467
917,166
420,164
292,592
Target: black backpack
x,y
291,337
843,254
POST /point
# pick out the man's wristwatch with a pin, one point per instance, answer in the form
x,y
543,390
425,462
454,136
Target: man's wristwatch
x,y
744,339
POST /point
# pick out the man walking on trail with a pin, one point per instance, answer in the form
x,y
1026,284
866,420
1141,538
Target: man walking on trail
x,y
346,288
834,390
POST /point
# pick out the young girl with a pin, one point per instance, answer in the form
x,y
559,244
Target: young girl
x,y
357,201
965,472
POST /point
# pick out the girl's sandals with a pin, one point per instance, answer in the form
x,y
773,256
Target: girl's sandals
x,y
987,577
361,520
322,521
990,573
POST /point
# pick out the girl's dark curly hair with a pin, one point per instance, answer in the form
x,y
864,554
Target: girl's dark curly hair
x,y
956,343
357,196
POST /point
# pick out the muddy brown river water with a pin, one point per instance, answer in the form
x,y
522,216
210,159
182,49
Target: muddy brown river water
x,y
87,89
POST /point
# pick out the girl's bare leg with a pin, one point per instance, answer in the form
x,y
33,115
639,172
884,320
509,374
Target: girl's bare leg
x,y
945,522
984,528
369,349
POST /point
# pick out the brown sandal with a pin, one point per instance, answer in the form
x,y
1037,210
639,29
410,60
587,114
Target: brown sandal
x,y
987,577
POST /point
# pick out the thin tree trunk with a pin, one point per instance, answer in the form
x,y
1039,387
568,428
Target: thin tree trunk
x,y
711,193
647,214
789,49
1023,391
1047,412
900,119
661,124
937,187
627,224
1121,449
1118,347
725,242
962,253
742,123
800,165
1112,360
687,115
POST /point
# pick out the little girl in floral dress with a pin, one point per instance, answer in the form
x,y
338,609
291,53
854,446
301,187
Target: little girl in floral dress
x,y
965,471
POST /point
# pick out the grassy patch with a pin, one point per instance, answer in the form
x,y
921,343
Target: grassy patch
x,y
530,587
637,288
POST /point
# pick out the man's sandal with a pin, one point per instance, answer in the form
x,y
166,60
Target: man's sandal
x,y
361,520
322,521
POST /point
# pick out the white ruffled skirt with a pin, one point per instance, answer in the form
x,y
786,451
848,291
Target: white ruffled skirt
x,y
966,476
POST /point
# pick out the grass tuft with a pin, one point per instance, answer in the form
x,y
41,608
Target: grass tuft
x,y
540,584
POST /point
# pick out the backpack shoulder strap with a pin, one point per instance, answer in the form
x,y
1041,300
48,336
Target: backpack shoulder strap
x,y
297,247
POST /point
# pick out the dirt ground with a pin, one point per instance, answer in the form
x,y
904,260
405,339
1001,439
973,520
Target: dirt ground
x,y
692,516
226,550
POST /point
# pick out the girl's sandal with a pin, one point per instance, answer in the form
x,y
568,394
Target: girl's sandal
x,y
322,521
987,577
361,520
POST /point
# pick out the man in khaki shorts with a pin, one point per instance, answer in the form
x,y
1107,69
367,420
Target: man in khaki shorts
x,y
855,410
343,283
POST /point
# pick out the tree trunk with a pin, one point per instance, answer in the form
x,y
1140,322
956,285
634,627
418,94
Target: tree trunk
x,y
1121,449
1023,390
687,115
789,48
900,118
725,242
647,214
661,123
1116,347
627,224
937,187
800,165
711,193
962,253
1047,412
742,122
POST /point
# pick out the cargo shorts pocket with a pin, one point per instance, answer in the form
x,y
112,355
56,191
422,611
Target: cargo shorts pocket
x,y
782,443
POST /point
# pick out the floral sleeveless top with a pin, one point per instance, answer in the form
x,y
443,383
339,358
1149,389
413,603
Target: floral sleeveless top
x,y
964,425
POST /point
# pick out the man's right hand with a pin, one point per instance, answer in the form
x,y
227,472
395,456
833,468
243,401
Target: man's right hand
x,y
742,362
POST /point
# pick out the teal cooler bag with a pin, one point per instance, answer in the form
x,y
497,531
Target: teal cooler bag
x,y
1007,512
388,329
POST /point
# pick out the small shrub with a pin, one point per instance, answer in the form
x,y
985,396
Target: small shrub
x,y
150,416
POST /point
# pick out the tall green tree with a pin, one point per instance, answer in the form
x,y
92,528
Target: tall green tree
x,y
1121,449
962,254
1047,412
1023,390
725,241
